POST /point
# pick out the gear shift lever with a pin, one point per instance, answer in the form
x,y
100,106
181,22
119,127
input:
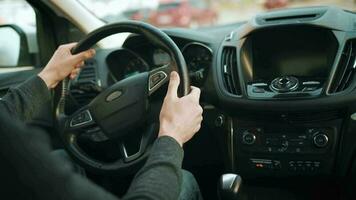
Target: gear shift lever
x,y
230,187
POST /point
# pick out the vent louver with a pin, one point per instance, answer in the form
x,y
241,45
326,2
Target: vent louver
x,y
230,70
84,89
346,69
87,75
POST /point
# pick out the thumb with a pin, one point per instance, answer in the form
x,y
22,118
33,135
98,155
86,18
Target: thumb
x,y
173,85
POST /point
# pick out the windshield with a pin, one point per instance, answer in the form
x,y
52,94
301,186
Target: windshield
x,y
195,13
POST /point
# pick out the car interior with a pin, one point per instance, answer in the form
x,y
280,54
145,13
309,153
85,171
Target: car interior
x,y
278,93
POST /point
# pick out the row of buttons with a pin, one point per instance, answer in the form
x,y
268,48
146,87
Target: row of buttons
x,y
81,118
308,86
266,164
304,166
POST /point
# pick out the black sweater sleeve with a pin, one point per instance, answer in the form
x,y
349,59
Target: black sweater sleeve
x,y
25,153
42,176
26,101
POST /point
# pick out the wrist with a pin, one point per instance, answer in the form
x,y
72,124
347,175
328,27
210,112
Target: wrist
x,y
48,78
178,140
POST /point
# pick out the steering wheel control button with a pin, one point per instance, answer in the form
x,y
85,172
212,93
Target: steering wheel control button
x,y
81,119
114,95
284,84
321,140
248,138
156,78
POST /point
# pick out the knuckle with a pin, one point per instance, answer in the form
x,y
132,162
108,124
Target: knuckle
x,y
201,109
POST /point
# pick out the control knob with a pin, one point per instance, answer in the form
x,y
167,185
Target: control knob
x,y
320,140
248,138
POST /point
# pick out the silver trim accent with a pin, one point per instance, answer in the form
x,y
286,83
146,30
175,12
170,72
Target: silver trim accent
x,y
311,83
85,122
259,84
208,106
231,142
134,156
230,36
290,89
353,116
198,44
158,83
225,69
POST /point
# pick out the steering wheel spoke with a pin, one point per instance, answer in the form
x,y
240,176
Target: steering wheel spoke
x,y
146,138
158,77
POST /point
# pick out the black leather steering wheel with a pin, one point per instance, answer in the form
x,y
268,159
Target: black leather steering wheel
x,y
123,105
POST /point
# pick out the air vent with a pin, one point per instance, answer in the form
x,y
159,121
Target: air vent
x,y
230,70
346,69
87,74
293,17
84,88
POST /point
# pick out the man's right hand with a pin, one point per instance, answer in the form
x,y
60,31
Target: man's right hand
x,y
180,118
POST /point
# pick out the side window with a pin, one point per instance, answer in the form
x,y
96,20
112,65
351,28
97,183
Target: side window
x,y
18,40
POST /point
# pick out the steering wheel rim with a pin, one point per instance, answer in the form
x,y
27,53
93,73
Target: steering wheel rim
x,y
125,87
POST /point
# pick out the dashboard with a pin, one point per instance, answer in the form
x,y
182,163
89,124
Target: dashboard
x,y
277,90
137,57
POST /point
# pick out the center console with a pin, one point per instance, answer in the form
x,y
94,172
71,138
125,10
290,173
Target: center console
x,y
278,64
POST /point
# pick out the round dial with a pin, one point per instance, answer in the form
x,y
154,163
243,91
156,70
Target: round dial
x,y
133,67
197,56
320,140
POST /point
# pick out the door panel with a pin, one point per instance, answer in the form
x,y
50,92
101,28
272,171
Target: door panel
x,y
12,79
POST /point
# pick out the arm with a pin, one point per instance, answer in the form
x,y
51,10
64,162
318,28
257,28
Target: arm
x,y
180,119
37,169
161,177
26,100
48,177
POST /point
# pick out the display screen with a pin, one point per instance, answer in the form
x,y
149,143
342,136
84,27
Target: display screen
x,y
300,52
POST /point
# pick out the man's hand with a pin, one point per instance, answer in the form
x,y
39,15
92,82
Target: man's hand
x,y
63,64
180,118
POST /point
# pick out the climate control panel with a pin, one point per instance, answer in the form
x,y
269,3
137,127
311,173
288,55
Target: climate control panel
x,y
285,150
308,140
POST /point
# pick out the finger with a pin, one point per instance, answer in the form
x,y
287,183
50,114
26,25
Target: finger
x,y
197,128
195,93
84,55
76,70
69,45
79,65
173,85
74,73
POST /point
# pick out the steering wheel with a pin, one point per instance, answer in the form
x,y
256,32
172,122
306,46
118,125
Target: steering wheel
x,y
123,105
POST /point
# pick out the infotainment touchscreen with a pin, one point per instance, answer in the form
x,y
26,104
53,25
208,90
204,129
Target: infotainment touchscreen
x,y
300,53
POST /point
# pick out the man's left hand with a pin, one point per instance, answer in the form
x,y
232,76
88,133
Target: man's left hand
x,y
63,64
